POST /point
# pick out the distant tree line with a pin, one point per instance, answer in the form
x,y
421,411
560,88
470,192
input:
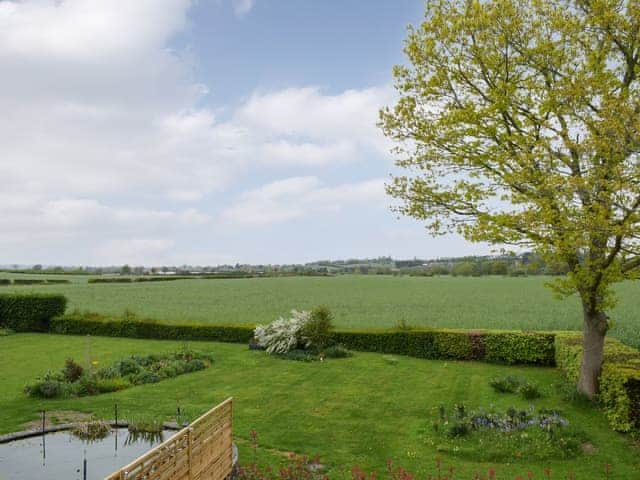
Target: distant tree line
x,y
469,266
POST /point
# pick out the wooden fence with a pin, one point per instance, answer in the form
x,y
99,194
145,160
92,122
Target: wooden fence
x,y
201,451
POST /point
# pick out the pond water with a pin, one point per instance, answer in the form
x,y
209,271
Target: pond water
x,y
60,455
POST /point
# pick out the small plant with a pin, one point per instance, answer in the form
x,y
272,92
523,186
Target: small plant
x,y
91,431
145,377
5,332
508,384
529,391
108,385
72,370
147,429
46,389
145,424
316,331
458,428
337,351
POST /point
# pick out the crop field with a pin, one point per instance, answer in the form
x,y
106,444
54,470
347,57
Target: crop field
x,y
358,301
353,411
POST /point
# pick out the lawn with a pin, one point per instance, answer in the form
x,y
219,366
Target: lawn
x,y
362,410
358,301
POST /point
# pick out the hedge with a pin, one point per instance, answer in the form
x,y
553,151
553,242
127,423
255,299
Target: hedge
x,y
131,326
619,381
110,280
491,346
161,279
29,313
5,281
28,281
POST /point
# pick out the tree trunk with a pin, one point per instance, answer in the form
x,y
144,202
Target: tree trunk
x,y
595,329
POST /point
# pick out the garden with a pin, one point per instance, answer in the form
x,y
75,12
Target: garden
x,y
473,402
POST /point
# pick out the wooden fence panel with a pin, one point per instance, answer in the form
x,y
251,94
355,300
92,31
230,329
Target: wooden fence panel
x,y
201,451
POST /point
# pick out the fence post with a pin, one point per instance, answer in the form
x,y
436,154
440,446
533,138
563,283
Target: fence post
x,y
189,452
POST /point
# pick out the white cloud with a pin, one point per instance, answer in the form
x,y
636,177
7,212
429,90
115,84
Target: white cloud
x,y
100,118
299,197
242,7
349,117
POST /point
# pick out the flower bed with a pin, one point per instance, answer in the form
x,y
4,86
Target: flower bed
x,y
75,381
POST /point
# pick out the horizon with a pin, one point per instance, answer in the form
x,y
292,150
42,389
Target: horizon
x,y
201,133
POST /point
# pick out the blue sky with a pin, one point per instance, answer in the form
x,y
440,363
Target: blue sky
x,y
218,131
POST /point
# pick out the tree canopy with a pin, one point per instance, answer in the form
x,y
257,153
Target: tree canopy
x,y
518,124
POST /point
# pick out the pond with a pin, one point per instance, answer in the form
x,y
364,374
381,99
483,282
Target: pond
x,y
60,455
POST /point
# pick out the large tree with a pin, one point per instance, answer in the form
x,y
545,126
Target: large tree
x,y
517,122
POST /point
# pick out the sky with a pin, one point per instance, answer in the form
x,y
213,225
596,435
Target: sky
x,y
171,132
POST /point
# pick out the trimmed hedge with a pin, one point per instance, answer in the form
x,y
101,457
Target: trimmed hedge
x,y
5,281
491,346
94,324
28,281
30,313
619,381
110,280
161,279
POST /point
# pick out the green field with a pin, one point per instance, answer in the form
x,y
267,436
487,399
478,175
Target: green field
x,y
357,301
360,410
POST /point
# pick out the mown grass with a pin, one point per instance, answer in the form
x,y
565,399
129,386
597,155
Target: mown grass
x,y
357,301
360,410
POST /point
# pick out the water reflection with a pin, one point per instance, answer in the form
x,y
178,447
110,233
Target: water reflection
x,y
60,455
152,438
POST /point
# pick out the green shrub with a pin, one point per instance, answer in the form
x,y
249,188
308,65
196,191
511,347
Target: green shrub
x,y
619,381
57,280
529,391
5,281
458,428
72,371
108,385
47,388
86,385
317,330
508,384
5,332
195,365
337,351
127,366
145,376
27,313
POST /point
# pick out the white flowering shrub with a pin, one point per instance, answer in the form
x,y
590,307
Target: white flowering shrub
x,y
283,334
